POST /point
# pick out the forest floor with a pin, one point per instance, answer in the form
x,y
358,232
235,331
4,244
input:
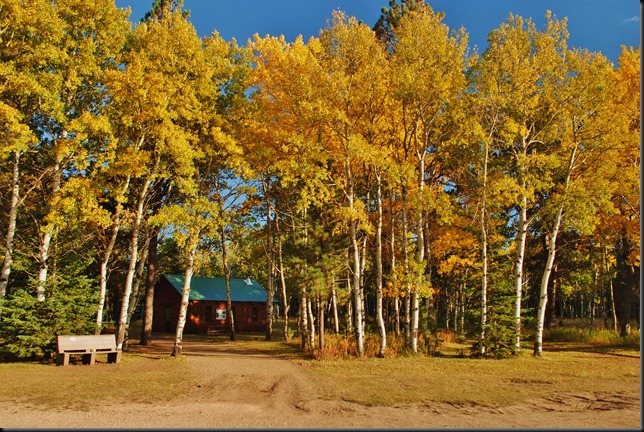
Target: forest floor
x,y
233,385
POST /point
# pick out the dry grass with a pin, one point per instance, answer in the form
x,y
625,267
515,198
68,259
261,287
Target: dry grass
x,y
420,379
566,367
150,375
137,379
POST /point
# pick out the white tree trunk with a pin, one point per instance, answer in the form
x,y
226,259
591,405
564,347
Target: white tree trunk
x,y
407,304
518,273
311,318
183,310
552,249
285,302
334,306
380,319
355,252
611,292
483,210
303,319
135,297
134,256
420,257
46,242
270,264
107,256
229,303
11,229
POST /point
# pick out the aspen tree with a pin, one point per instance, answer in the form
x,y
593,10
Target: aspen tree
x,y
79,42
26,90
620,222
158,93
522,68
573,201
286,143
351,58
428,76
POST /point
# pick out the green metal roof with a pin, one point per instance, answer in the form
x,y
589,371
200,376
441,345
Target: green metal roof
x,y
214,289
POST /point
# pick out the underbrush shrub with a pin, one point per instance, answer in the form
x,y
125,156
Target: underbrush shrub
x,y
29,327
395,346
336,347
498,340
341,347
447,336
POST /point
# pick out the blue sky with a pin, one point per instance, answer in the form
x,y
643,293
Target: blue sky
x,y
597,25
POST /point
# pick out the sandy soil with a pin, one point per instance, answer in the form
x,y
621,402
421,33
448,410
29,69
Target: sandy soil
x,y
269,392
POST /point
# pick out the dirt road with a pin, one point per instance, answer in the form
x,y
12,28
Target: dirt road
x,y
269,392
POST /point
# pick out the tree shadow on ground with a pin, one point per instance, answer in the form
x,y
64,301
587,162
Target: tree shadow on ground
x,y
620,350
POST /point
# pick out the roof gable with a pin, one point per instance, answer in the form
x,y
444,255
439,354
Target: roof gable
x,y
214,289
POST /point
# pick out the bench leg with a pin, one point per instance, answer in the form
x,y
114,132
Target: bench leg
x,y
114,357
89,359
62,359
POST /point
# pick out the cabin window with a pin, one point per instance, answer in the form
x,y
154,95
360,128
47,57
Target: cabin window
x,y
254,314
208,313
221,314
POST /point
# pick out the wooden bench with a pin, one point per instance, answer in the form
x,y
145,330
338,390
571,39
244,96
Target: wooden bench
x,y
88,347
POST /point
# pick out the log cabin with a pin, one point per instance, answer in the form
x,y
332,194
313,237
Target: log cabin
x,y
207,305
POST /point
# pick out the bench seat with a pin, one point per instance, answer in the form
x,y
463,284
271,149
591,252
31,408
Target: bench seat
x,y
87,346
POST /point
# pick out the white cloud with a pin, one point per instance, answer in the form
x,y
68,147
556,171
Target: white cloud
x,y
632,19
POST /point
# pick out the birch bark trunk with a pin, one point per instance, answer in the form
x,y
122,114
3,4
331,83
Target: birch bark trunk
x,y
379,275
320,307
518,273
285,302
303,319
134,256
407,305
11,229
46,242
552,250
483,222
270,254
311,318
355,248
229,304
420,256
107,256
183,310
611,291
334,305
134,301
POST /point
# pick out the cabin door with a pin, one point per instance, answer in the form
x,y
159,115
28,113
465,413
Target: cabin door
x,y
168,320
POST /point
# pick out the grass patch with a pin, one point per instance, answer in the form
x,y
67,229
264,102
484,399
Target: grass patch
x,y
592,336
136,379
276,347
570,367
149,375
418,379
